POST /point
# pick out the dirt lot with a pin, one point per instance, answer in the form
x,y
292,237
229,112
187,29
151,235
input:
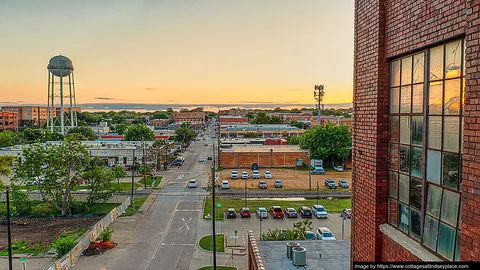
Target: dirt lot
x,y
42,230
292,179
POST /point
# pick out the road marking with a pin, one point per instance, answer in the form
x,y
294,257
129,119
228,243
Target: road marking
x,y
185,224
177,244
188,210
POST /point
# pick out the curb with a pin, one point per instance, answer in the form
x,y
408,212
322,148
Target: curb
x,y
147,204
209,251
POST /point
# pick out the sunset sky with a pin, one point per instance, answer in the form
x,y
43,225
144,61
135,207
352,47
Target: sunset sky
x,y
179,51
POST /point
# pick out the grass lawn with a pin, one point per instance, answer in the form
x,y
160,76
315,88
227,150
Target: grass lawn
x,y
206,242
122,186
218,268
149,181
138,201
332,205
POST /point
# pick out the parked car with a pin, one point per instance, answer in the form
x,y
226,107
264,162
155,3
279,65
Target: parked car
x,y
267,175
254,166
234,175
310,235
343,183
305,212
245,175
225,185
231,213
276,212
330,183
262,212
319,211
338,168
262,184
347,213
318,171
290,213
201,159
192,183
278,183
205,144
209,158
255,174
323,233
245,212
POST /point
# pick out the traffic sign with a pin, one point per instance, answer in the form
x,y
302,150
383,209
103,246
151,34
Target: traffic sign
x,y
219,204
23,259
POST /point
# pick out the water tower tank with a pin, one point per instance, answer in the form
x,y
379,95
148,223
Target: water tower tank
x,y
60,66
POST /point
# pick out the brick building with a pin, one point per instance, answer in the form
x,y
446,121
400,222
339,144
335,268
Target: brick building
x,y
416,91
8,120
243,156
229,119
29,115
197,119
158,122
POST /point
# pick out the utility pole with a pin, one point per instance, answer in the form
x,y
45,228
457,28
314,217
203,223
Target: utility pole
x,y
318,94
143,160
245,194
214,236
133,173
343,225
9,233
309,170
317,192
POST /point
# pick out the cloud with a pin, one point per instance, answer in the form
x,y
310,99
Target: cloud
x,y
104,98
150,88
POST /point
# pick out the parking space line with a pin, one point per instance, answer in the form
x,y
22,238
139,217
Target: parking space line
x,y
178,244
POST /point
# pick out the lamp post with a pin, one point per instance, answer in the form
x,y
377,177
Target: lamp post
x,y
9,233
317,192
143,161
214,236
133,172
318,94
309,172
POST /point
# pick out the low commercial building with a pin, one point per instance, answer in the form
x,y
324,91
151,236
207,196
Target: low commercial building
x,y
243,156
263,131
101,128
232,120
156,123
8,120
196,119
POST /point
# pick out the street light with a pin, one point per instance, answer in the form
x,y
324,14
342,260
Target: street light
x,y
318,94
317,192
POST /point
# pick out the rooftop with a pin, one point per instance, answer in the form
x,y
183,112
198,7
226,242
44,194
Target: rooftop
x,y
266,148
260,127
335,254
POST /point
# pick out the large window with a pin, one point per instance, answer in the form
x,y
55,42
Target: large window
x,y
425,146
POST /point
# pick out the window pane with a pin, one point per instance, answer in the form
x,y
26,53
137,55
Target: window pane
x,y
405,99
452,97
407,70
450,133
446,241
394,100
433,202
433,166
430,232
418,67
393,156
435,98
403,184
450,171
415,223
405,129
453,59
416,197
393,212
395,73
457,247
393,184
394,128
404,216
435,132
417,130
436,63
463,95
450,207
461,138
417,98
417,162
405,159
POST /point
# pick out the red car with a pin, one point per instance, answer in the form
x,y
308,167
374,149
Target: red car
x,y
245,212
346,213
276,212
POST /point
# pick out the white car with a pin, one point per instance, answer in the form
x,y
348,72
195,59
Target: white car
x,y
234,175
201,159
319,211
338,168
268,175
192,183
225,185
245,175
255,174
262,212
323,233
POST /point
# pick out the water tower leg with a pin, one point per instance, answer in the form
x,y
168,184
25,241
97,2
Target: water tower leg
x,y
48,102
52,113
74,100
72,124
62,117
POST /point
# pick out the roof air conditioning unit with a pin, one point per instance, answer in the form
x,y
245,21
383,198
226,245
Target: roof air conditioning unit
x,y
299,256
291,245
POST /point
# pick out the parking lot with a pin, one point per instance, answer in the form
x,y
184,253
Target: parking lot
x,y
291,179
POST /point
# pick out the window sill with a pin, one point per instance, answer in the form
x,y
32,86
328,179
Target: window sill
x,y
409,244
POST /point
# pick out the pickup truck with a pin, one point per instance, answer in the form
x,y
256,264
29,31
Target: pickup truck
x,y
276,212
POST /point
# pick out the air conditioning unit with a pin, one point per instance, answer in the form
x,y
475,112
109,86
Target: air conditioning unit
x,y
291,245
299,256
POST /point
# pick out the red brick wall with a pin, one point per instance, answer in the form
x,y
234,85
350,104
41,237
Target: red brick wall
x,y
265,160
393,252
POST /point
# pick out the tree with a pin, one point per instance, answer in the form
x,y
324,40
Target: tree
x,y
298,124
119,172
87,132
118,119
261,118
139,120
250,135
296,233
5,163
121,128
7,138
159,115
99,181
250,115
275,120
294,140
137,132
184,133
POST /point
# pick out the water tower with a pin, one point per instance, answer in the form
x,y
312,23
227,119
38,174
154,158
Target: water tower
x,y
61,114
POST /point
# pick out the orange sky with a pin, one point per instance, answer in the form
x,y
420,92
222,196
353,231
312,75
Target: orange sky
x,y
186,51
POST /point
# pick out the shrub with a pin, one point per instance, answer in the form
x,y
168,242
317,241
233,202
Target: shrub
x,y
78,207
63,245
3,210
20,201
43,209
106,234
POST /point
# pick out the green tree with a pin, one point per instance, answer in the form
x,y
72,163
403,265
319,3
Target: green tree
x,y
87,132
5,163
119,172
7,138
139,120
99,181
250,135
118,119
250,115
261,118
296,233
184,133
160,115
275,120
137,132
121,128
294,140
298,124
20,201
